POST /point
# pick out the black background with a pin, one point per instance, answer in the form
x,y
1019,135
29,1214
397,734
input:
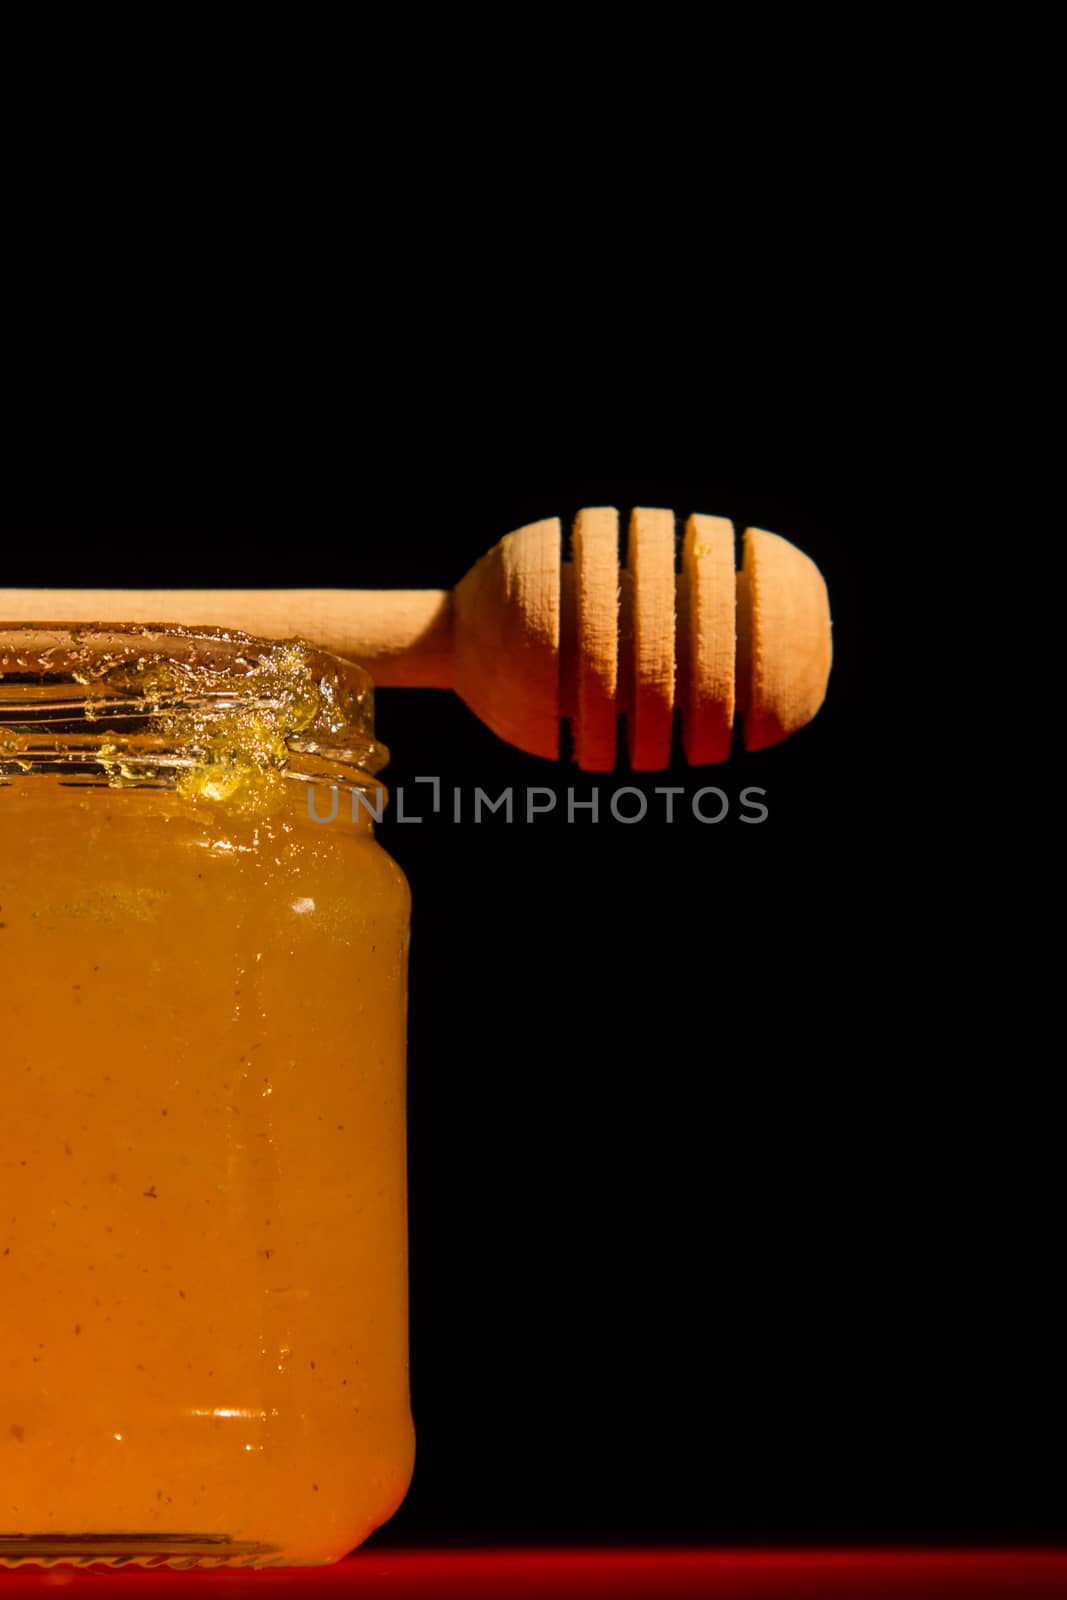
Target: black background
x,y
731,1187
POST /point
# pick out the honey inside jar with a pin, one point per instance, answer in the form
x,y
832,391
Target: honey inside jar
x,y
203,955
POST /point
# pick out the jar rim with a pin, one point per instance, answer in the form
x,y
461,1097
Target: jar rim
x,y
153,702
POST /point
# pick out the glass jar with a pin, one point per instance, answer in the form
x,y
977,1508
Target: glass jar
x,y
203,1274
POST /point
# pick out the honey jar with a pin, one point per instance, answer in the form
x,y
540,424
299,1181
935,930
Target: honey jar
x,y
203,959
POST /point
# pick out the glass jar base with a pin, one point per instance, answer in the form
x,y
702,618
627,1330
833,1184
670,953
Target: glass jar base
x,y
178,1550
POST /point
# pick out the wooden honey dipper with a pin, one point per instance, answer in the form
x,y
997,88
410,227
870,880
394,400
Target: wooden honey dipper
x,y
527,639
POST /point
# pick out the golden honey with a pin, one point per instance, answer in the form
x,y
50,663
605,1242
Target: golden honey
x,y
203,1276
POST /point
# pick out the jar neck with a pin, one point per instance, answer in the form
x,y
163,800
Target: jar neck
x,y
218,716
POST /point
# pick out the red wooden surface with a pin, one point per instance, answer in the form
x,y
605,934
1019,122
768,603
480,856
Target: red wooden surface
x,y
618,1574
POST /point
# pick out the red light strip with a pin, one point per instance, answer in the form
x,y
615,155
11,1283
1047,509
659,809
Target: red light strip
x,y
613,1574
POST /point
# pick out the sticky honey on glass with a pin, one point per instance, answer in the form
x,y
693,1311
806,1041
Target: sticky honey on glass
x,y
203,1269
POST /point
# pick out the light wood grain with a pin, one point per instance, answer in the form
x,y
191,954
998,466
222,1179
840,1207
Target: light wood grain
x,y
507,626
650,563
595,552
707,627
527,641
787,629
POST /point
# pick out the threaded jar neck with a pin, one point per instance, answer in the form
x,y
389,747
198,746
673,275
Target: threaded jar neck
x,y
215,714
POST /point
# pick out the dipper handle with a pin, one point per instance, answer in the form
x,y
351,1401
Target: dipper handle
x,y
527,639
